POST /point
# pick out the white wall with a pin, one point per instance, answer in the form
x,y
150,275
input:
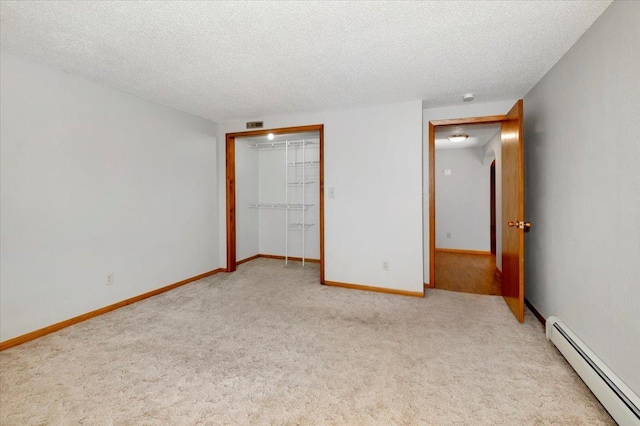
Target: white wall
x,y
373,160
582,156
247,190
272,190
96,181
457,111
493,151
462,200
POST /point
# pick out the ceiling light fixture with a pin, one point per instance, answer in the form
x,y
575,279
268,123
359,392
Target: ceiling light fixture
x,y
270,136
457,138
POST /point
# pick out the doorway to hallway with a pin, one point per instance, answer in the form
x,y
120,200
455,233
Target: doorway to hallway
x,y
511,223
465,203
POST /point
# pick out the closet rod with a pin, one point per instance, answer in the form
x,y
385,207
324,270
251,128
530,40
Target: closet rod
x,y
308,163
279,206
284,143
302,183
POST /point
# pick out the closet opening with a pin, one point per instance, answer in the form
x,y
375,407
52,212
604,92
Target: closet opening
x,y
509,198
275,205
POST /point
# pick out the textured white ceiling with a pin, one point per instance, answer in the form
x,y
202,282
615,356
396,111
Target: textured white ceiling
x,y
479,135
227,60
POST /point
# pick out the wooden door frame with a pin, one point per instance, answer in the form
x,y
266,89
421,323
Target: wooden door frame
x,y
493,226
432,179
231,186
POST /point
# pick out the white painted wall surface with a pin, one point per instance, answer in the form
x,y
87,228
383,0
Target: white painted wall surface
x,y
462,200
272,190
373,160
493,151
96,181
465,110
582,191
247,190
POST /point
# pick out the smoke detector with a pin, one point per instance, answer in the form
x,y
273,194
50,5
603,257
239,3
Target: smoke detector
x,y
468,97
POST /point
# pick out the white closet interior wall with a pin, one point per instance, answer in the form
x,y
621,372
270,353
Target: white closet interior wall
x,y
247,191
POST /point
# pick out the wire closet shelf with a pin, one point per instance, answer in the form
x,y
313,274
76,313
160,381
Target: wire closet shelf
x,y
300,165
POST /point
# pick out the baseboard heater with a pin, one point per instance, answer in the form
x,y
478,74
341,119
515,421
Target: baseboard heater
x,y
620,401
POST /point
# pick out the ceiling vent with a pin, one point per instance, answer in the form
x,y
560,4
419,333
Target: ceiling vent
x,y
255,124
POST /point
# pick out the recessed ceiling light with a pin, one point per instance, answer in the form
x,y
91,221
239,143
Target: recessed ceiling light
x,y
468,97
270,136
457,138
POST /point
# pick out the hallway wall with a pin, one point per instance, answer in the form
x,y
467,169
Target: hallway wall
x,y
462,200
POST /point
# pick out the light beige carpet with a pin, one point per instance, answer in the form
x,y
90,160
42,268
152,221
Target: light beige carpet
x,y
268,345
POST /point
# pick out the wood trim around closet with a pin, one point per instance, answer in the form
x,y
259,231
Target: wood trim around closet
x,y
432,205
231,202
248,259
231,186
321,190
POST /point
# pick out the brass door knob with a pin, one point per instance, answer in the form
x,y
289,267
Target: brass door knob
x,y
519,224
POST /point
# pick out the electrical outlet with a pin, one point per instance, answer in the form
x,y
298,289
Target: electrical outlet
x,y
110,279
448,234
385,265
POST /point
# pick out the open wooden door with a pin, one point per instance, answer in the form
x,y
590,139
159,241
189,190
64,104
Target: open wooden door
x,y
513,226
